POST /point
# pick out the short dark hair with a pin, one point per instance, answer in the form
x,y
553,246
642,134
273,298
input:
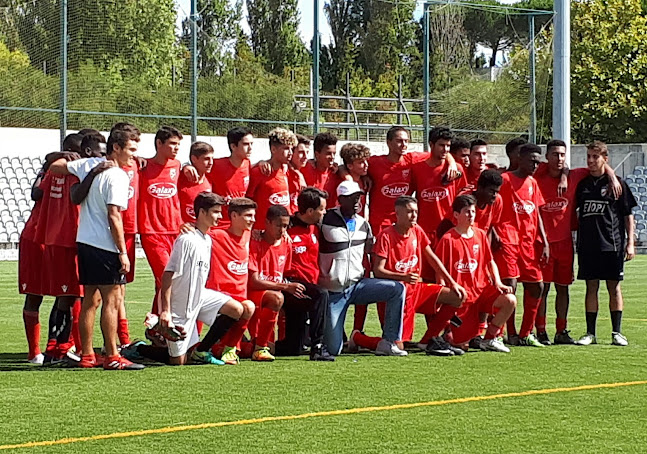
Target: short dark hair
x,y
303,139
235,135
92,141
599,146
200,148
405,200
554,144
458,143
393,130
166,132
86,131
514,144
310,197
121,135
276,211
240,205
72,142
440,133
352,151
324,139
205,201
529,148
462,201
489,178
477,143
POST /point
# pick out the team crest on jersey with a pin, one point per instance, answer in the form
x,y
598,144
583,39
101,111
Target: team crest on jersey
x,y
281,260
280,198
395,190
555,205
434,194
406,265
246,182
405,173
466,266
131,192
300,249
238,268
530,191
131,174
603,191
527,207
296,239
475,249
173,173
314,238
162,190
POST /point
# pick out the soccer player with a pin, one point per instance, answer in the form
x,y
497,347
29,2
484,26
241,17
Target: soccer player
x,y
465,252
317,172
102,257
460,150
159,206
398,254
201,156
605,240
304,233
229,177
296,181
345,238
273,189
184,298
512,151
478,161
521,226
355,157
228,273
434,192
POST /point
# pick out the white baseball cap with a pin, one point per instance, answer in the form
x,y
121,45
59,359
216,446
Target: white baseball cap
x,y
347,188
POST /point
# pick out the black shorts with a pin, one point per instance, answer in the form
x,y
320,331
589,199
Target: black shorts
x,y
98,266
604,266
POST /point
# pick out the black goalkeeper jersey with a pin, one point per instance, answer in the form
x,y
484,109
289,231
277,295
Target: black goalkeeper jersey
x,y
601,218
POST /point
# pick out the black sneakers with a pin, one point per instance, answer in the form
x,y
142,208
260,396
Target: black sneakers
x,y
319,352
437,346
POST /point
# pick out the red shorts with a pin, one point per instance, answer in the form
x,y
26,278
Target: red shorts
x,y
158,249
519,261
421,299
559,268
30,267
130,248
469,315
61,268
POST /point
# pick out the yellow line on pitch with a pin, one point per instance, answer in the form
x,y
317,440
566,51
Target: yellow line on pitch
x,y
603,319
349,411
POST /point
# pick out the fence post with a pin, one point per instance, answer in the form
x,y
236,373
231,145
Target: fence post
x,y
316,46
63,75
533,81
425,77
194,70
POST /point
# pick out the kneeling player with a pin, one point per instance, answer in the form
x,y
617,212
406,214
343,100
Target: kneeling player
x,y
465,252
184,298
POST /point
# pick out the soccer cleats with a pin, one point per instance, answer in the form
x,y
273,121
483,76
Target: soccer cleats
x,y
494,345
587,339
530,341
205,358
262,354
386,348
619,339
229,356
563,338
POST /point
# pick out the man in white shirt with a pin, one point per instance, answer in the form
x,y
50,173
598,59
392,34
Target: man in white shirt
x,y
102,258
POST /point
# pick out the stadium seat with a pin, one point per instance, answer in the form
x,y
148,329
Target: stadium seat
x,y
14,237
638,216
4,238
642,189
641,226
642,236
640,180
4,162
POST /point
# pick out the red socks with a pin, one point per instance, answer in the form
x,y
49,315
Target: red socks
x,y
362,340
439,322
360,317
235,334
560,325
76,335
199,326
267,321
492,331
530,308
32,331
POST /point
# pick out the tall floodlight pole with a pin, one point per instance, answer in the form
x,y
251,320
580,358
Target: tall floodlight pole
x,y
425,76
562,75
316,46
194,70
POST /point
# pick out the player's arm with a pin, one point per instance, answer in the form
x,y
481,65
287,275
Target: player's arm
x,y
293,288
452,168
493,271
79,191
36,191
57,162
190,173
630,251
614,183
544,238
265,167
117,232
442,273
165,300
380,271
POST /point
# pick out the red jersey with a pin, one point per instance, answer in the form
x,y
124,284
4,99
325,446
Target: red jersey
x,y
434,198
295,184
390,181
229,182
557,211
59,217
129,216
29,230
229,262
315,177
472,175
188,192
466,260
158,209
490,215
403,254
270,261
268,190
305,252
520,216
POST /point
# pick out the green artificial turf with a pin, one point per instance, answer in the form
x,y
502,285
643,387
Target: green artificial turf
x,y
48,404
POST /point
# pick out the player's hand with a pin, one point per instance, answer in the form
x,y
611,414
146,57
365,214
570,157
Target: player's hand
x,y
71,155
187,228
296,289
257,235
562,187
630,252
102,167
504,289
467,189
368,183
460,291
412,278
190,173
125,263
545,254
165,320
141,162
452,171
615,187
265,168
335,167
495,241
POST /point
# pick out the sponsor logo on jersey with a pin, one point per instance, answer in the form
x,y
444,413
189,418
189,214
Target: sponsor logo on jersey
x,y
406,265
466,266
603,191
64,288
162,190
434,194
131,192
296,239
395,190
276,277
173,173
555,205
405,173
238,268
300,249
594,207
280,198
246,182
131,174
189,211
527,207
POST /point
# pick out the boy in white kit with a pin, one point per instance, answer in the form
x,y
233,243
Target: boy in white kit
x,y
184,298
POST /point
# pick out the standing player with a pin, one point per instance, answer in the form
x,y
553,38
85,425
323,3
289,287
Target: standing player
x,y
521,226
355,157
478,161
159,205
273,189
229,269
201,156
465,252
318,171
460,150
605,240
296,181
512,151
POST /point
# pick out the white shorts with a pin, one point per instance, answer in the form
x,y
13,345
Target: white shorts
x,y
210,304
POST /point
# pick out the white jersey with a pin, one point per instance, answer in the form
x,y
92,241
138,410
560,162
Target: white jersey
x,y
108,188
